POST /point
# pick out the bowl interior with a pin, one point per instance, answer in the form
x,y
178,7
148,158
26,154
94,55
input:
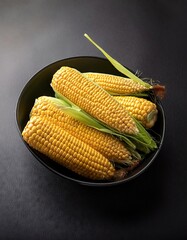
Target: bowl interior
x,y
39,85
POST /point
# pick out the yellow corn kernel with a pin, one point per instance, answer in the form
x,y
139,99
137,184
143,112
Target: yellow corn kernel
x,y
116,84
108,145
142,109
67,150
83,92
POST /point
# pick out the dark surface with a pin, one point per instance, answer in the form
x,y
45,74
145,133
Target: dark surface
x,y
146,35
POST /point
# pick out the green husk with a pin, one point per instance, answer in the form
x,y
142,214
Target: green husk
x,y
141,141
118,65
77,113
144,142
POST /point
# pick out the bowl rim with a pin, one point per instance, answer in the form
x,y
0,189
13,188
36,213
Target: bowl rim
x,y
84,182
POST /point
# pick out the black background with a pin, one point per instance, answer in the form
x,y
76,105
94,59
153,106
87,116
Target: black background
x,y
146,35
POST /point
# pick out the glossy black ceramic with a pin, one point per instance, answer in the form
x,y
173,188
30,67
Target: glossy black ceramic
x,y
39,85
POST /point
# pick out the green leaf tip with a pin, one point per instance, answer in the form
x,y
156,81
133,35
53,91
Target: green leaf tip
x,y
118,65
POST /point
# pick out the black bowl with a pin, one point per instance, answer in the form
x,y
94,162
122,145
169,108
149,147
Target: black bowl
x,y
39,85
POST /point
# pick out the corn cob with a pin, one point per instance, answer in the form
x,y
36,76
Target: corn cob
x,y
66,150
143,110
108,145
83,92
116,85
